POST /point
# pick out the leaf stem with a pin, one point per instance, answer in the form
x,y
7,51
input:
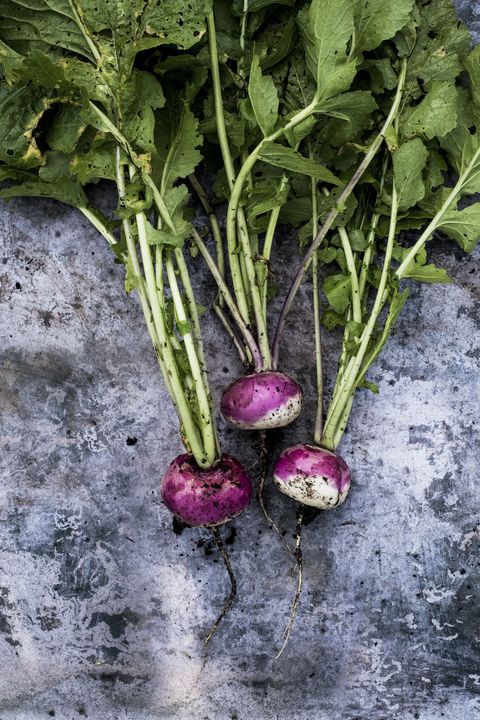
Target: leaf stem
x,y
98,225
219,312
230,303
235,269
318,428
268,241
215,228
81,26
206,428
350,260
329,220
197,337
172,388
347,384
368,256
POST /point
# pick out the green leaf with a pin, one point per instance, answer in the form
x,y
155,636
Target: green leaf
x,y
327,202
166,236
326,27
172,22
354,328
264,196
461,145
427,273
379,20
263,96
11,62
435,169
47,23
472,66
331,319
65,190
435,116
408,165
276,43
261,272
358,240
352,114
298,86
41,70
176,200
463,226
184,327
440,44
296,210
396,306
98,163
327,255
137,198
177,142
256,5
289,159
382,74
368,385
337,288
65,129
146,97
130,278
353,107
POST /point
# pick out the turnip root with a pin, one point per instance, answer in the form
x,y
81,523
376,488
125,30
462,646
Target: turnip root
x,y
312,476
206,497
262,401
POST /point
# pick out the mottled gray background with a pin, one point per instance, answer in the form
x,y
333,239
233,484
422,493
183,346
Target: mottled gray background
x,y
103,608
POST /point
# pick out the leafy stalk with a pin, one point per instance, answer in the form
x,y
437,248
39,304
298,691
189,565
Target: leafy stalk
x,y
229,301
318,427
348,382
268,241
235,269
347,249
332,215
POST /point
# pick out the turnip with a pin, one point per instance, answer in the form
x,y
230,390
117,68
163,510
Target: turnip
x,y
206,497
313,476
262,401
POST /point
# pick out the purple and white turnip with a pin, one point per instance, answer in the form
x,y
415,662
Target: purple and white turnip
x,y
313,476
206,497
262,401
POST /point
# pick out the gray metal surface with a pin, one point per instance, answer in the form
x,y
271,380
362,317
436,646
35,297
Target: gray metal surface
x,y
103,608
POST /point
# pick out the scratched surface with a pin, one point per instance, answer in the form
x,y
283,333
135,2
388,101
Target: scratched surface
x,y
103,608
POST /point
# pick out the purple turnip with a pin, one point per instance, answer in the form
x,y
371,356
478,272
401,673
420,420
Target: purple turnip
x,y
262,401
206,497
312,476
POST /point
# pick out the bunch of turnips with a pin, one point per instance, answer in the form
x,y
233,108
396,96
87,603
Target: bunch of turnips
x,y
344,119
